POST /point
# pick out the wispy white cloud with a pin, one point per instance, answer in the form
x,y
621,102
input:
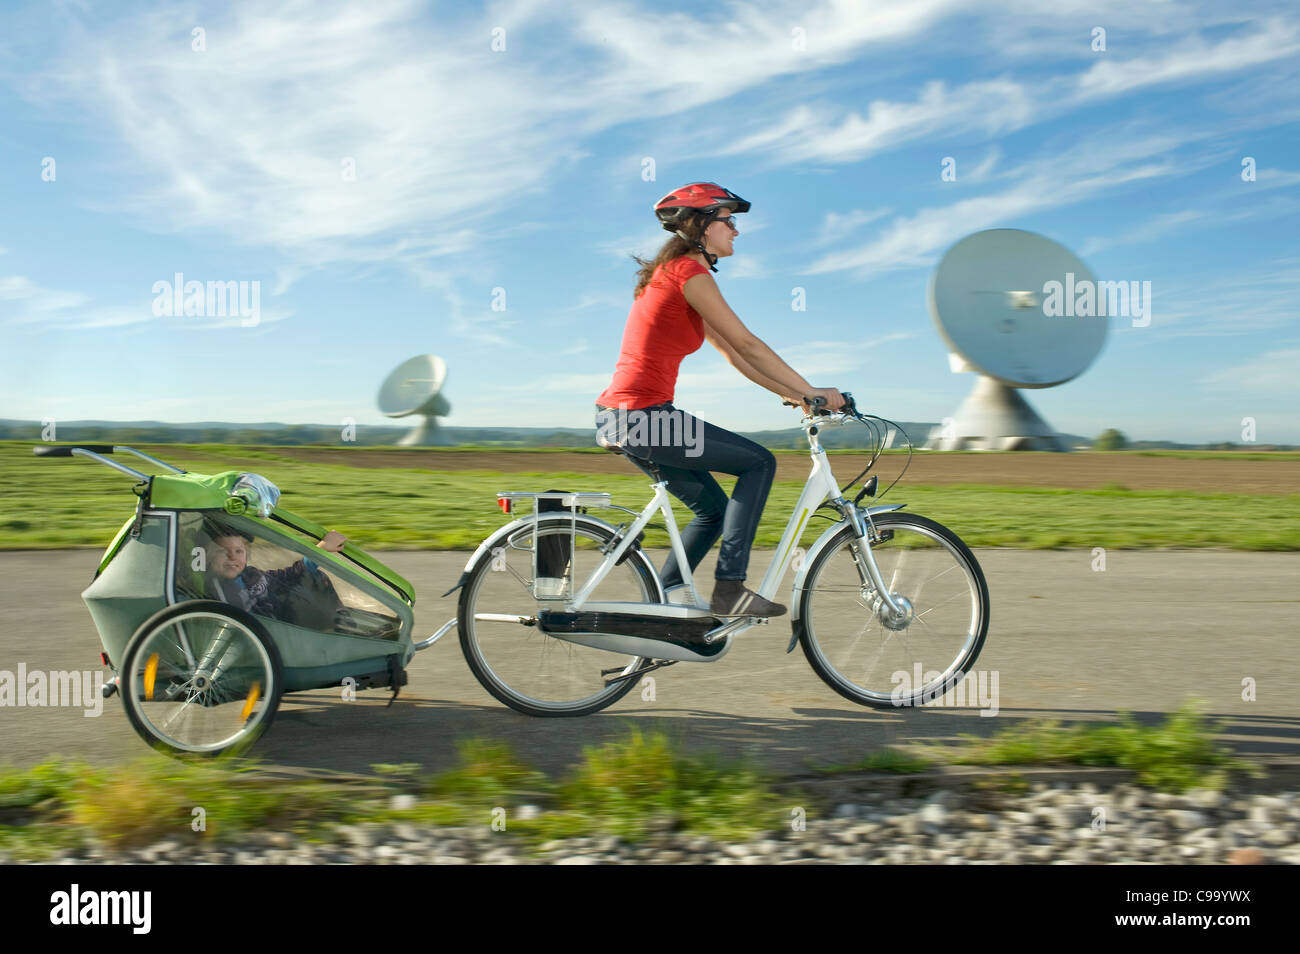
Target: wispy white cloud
x,y
574,382
823,358
837,225
1251,299
317,133
741,266
105,317
1047,182
985,167
1239,201
1268,177
477,325
285,278
652,59
34,302
826,133
1270,373
264,318
643,243
1154,228
606,301
321,134
23,303
339,137
1193,58
819,133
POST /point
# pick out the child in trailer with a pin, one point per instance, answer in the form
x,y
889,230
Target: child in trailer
x,y
300,593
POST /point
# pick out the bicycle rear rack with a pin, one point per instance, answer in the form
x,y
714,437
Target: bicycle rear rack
x,y
547,583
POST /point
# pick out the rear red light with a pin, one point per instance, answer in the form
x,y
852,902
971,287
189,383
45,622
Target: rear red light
x,y
103,658
504,503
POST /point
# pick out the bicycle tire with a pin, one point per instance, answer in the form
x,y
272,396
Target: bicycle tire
x,y
826,592
228,714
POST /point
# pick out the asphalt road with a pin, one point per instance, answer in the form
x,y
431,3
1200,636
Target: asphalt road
x,y
1149,632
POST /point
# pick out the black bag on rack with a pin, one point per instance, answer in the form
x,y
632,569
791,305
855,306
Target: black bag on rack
x,y
554,551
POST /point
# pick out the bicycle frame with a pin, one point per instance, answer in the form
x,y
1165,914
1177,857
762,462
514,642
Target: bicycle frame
x,y
819,487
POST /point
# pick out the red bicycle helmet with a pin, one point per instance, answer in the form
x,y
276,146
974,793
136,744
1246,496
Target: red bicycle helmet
x,y
698,198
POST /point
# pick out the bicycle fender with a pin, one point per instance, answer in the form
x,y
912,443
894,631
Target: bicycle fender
x,y
796,591
502,534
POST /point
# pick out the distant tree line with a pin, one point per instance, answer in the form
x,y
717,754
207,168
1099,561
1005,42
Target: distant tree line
x,y
847,438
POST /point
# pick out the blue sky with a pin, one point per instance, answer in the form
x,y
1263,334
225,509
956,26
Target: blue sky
x,y
526,169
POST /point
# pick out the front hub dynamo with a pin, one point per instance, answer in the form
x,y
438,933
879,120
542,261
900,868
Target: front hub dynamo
x,y
888,619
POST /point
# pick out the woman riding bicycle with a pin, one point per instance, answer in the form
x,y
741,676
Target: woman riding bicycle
x,y
677,308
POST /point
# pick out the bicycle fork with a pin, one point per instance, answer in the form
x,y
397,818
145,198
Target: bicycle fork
x,y
894,612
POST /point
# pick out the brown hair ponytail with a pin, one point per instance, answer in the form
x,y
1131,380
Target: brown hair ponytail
x,y
675,247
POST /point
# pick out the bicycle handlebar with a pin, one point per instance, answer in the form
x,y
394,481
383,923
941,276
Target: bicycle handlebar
x,y
818,405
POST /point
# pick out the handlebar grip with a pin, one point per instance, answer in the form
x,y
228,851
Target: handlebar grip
x,y
817,404
65,450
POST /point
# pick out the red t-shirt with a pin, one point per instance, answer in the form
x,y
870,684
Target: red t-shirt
x,y
662,329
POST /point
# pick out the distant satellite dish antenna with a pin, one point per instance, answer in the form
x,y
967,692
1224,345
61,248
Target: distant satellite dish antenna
x,y
987,300
415,387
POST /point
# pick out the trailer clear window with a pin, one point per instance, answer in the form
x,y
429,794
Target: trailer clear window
x,y
235,561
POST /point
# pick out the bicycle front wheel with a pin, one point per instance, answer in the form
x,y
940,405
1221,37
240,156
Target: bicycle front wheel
x,y
201,678
527,669
864,653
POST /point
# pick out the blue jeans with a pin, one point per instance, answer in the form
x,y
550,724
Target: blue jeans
x,y
682,450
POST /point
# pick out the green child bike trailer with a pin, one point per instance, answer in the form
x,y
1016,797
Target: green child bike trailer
x,y
212,601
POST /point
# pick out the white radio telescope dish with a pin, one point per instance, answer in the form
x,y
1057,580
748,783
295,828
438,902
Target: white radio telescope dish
x,y
415,387
987,299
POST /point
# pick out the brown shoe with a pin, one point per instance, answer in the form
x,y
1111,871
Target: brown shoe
x,y
732,598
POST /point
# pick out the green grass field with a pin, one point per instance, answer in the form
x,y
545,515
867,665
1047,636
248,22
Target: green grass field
x,y
50,503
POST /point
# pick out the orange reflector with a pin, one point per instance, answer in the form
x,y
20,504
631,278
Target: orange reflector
x,y
253,695
504,503
150,673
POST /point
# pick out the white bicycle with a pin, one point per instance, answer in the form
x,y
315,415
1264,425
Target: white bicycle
x,y
561,612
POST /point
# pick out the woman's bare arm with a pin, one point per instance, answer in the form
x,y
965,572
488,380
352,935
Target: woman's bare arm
x,y
722,325
744,367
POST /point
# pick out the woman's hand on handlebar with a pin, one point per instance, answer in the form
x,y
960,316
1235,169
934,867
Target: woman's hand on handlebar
x,y
832,398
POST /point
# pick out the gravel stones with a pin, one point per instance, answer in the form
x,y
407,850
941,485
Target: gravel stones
x,y
1048,825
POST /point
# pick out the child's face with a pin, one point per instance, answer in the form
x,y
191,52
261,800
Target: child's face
x,y
227,556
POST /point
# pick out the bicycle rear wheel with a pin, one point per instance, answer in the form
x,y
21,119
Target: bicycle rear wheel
x,y
865,655
527,669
